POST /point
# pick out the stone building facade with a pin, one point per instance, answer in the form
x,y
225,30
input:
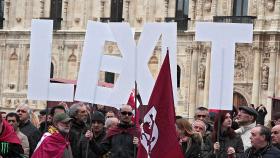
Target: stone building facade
x,y
257,65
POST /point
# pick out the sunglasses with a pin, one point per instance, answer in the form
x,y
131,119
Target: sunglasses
x,y
126,113
13,121
22,111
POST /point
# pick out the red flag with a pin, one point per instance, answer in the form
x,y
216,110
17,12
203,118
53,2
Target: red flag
x,y
131,102
8,134
51,146
158,136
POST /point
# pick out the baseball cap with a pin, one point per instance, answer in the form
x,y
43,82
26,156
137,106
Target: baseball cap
x,y
61,117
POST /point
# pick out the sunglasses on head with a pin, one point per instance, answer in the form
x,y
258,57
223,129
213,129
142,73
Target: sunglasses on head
x,y
126,113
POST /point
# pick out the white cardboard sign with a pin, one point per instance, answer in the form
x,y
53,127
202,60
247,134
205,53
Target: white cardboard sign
x,y
39,86
223,36
133,65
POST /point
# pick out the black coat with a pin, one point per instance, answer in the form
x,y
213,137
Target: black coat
x,y
225,143
192,148
120,145
10,150
91,153
261,116
267,152
75,135
32,133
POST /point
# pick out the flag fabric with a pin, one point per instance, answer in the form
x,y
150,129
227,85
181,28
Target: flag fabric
x,y
158,136
8,134
131,102
51,146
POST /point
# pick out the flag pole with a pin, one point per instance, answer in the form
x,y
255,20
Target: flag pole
x,y
221,90
135,100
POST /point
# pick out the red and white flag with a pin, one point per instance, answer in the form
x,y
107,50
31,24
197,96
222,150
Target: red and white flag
x,y
158,136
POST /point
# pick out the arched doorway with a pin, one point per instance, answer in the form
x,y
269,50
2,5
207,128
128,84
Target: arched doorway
x,y
239,100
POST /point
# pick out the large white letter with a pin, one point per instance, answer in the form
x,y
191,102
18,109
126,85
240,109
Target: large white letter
x,y
39,86
223,37
94,61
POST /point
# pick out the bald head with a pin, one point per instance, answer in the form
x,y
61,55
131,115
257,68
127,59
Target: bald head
x,y
275,135
126,114
126,107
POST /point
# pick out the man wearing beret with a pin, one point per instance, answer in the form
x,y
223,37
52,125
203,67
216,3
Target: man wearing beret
x,y
97,133
246,119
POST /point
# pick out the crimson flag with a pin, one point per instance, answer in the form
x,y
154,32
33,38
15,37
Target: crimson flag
x,y
158,136
51,146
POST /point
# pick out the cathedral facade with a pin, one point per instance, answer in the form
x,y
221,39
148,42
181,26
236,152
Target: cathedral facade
x,y
257,65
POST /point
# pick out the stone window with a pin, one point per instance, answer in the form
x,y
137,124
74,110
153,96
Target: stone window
x,y
116,10
178,76
181,14
55,13
1,13
240,7
109,77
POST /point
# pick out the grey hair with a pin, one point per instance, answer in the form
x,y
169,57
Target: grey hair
x,y
24,105
205,127
73,110
110,121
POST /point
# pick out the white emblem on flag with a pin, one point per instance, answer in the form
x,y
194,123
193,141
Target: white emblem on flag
x,y
149,134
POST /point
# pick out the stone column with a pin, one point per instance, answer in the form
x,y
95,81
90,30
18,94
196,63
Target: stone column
x,y
256,75
207,77
193,83
271,79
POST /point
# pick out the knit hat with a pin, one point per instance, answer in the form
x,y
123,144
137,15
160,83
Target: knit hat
x,y
98,116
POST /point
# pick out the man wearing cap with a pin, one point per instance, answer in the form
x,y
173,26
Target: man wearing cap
x,y
9,142
121,140
56,144
246,119
97,133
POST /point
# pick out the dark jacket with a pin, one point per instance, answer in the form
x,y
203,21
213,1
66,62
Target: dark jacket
x,y
192,148
261,116
91,153
225,143
119,141
75,135
267,152
10,150
32,133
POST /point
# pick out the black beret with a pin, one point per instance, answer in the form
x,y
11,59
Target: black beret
x,y
98,116
43,112
249,110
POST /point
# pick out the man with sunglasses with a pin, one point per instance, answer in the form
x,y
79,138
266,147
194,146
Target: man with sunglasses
x,y
119,140
13,119
27,128
275,135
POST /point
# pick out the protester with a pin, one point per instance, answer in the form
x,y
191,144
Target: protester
x,y
120,140
9,142
56,144
228,144
111,122
27,128
188,139
3,114
261,114
246,120
202,114
276,118
46,124
110,114
79,113
275,135
261,144
97,133
13,119
42,115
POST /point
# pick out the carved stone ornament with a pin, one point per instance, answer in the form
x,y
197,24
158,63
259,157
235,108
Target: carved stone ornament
x,y
265,75
270,5
207,5
201,76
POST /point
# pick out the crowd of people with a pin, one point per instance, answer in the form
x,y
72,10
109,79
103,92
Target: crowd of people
x,y
80,132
